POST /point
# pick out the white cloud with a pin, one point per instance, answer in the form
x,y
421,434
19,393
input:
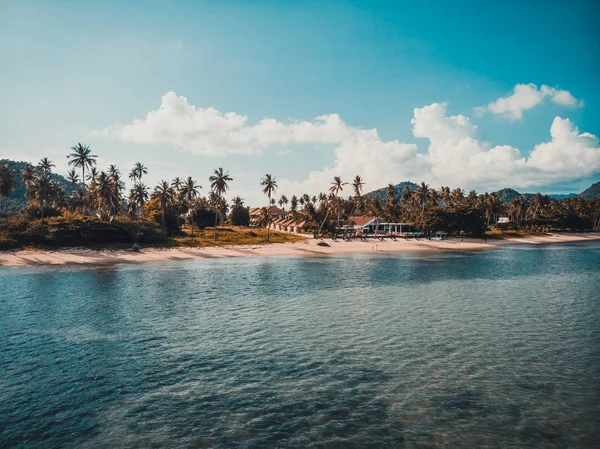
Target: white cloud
x,y
527,96
208,131
454,155
457,158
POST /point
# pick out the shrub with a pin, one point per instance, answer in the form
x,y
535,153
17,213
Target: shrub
x,y
239,216
8,243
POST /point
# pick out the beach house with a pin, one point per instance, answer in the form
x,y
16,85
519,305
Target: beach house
x,y
274,212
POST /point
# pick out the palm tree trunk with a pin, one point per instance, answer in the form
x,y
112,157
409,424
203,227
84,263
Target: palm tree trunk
x,y
268,215
6,208
216,214
84,192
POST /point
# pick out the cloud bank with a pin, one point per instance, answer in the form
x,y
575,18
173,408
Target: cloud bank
x,y
453,156
527,96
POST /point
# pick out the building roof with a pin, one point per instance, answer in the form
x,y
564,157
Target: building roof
x,y
361,221
273,210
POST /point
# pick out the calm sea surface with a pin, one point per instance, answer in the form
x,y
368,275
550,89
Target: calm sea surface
x,y
498,348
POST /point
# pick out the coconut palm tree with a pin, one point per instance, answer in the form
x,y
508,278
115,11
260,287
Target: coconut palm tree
x,y
218,185
40,189
237,202
7,185
164,193
270,187
407,199
492,205
357,187
190,191
45,166
293,204
458,196
138,171
93,175
283,201
139,196
103,193
27,175
73,177
336,187
83,158
421,195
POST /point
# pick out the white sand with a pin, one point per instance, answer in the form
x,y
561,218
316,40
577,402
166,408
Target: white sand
x,y
306,248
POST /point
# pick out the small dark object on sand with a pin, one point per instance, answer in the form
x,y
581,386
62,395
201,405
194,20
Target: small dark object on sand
x,y
322,243
136,248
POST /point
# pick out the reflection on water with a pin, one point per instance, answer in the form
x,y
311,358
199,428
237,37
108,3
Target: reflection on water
x,y
497,349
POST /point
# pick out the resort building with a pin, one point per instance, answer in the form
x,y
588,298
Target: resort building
x,y
274,212
290,225
370,224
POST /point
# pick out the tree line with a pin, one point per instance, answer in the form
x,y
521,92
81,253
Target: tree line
x,y
103,194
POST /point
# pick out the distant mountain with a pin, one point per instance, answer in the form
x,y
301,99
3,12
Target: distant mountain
x,y
507,195
18,195
591,192
398,188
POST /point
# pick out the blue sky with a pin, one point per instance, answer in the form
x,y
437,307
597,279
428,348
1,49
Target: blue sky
x,y
414,71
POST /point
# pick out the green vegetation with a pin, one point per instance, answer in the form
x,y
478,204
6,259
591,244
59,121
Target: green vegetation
x,y
94,209
591,192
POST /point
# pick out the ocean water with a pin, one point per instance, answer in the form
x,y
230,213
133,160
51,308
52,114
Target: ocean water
x,y
497,348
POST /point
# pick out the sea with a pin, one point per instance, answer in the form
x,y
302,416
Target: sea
x,y
495,348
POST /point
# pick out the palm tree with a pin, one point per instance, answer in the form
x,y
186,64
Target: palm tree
x,y
27,175
458,196
139,195
283,201
421,195
103,191
407,199
218,184
237,202
191,191
336,187
93,175
293,204
445,194
7,185
39,189
357,187
492,205
164,193
138,171
45,166
177,183
72,177
82,157
270,185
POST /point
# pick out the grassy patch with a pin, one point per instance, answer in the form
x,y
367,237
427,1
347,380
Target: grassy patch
x,y
231,235
503,234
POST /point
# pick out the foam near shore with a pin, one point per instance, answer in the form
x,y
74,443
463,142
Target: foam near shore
x,y
309,247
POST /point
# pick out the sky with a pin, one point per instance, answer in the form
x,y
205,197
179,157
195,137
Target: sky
x,y
478,95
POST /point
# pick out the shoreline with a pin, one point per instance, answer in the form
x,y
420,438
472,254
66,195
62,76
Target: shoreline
x,y
83,256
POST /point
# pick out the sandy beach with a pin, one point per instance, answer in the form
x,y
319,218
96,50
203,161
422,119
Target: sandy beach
x,y
81,256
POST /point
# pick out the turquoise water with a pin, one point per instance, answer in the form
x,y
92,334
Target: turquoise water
x,y
498,348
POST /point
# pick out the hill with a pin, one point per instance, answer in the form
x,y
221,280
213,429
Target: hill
x,y
591,192
398,188
17,199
